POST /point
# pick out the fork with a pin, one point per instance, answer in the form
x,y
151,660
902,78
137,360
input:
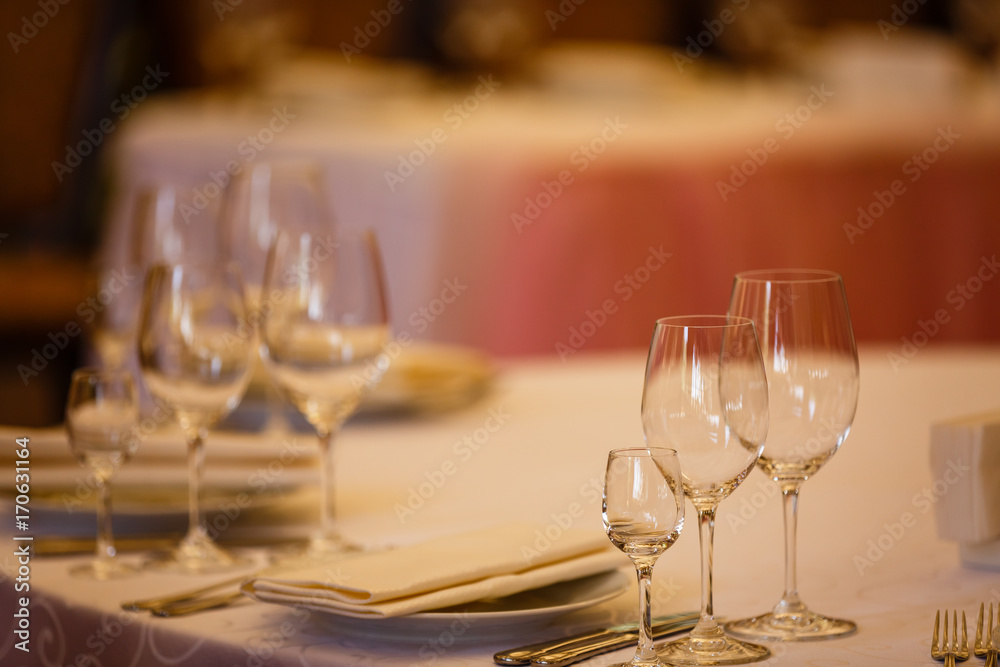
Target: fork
x,y
984,647
953,651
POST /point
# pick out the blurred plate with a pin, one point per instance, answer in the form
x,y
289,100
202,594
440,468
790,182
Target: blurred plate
x,y
423,377
498,617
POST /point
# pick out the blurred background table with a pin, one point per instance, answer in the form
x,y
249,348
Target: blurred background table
x,y
611,188
855,560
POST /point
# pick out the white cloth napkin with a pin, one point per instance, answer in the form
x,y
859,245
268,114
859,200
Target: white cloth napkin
x,y
965,464
447,571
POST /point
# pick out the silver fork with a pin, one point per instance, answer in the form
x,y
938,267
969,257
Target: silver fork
x,y
949,652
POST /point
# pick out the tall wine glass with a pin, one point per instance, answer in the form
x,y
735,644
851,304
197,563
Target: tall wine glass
x,y
643,512
323,342
195,351
705,395
102,419
812,373
264,197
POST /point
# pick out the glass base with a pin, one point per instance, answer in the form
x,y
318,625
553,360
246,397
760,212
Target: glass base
x,y
198,554
720,650
636,662
104,569
804,626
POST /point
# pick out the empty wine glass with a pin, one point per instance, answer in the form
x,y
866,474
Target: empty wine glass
x,y
195,353
643,513
812,373
261,199
102,418
267,196
323,341
705,395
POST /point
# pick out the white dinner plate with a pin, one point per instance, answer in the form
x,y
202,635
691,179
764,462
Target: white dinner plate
x,y
482,619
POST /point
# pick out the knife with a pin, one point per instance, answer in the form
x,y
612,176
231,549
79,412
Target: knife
x,y
567,650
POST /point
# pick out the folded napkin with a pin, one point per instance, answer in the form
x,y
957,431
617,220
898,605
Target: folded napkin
x,y
233,460
965,464
487,563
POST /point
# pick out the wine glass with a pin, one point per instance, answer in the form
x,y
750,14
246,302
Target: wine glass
x,y
643,513
264,197
705,395
195,353
323,341
102,418
812,374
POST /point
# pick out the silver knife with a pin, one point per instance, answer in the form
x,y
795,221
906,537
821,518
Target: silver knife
x,y
568,650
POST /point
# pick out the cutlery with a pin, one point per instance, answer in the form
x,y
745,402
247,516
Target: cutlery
x,y
183,608
991,657
983,644
166,601
567,650
949,652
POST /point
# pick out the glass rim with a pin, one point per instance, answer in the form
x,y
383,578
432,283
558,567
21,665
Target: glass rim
x,y
643,451
704,321
789,276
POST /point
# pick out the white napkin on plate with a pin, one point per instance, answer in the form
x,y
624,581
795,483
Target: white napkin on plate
x,y
447,571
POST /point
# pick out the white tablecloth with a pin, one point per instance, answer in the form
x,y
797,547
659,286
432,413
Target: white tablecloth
x,y
538,446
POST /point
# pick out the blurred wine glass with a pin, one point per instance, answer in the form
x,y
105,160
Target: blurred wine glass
x,y
195,353
323,342
102,418
265,197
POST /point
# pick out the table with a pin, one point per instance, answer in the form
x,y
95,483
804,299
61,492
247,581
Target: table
x,y
612,187
542,436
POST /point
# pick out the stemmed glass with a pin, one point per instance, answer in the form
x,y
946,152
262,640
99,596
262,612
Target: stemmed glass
x,y
102,418
264,197
195,352
643,512
323,341
705,395
812,373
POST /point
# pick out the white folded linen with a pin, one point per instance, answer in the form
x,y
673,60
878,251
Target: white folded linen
x,y
965,464
446,571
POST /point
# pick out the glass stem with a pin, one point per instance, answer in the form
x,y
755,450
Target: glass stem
x,y
105,550
327,514
790,603
196,466
644,572
707,627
